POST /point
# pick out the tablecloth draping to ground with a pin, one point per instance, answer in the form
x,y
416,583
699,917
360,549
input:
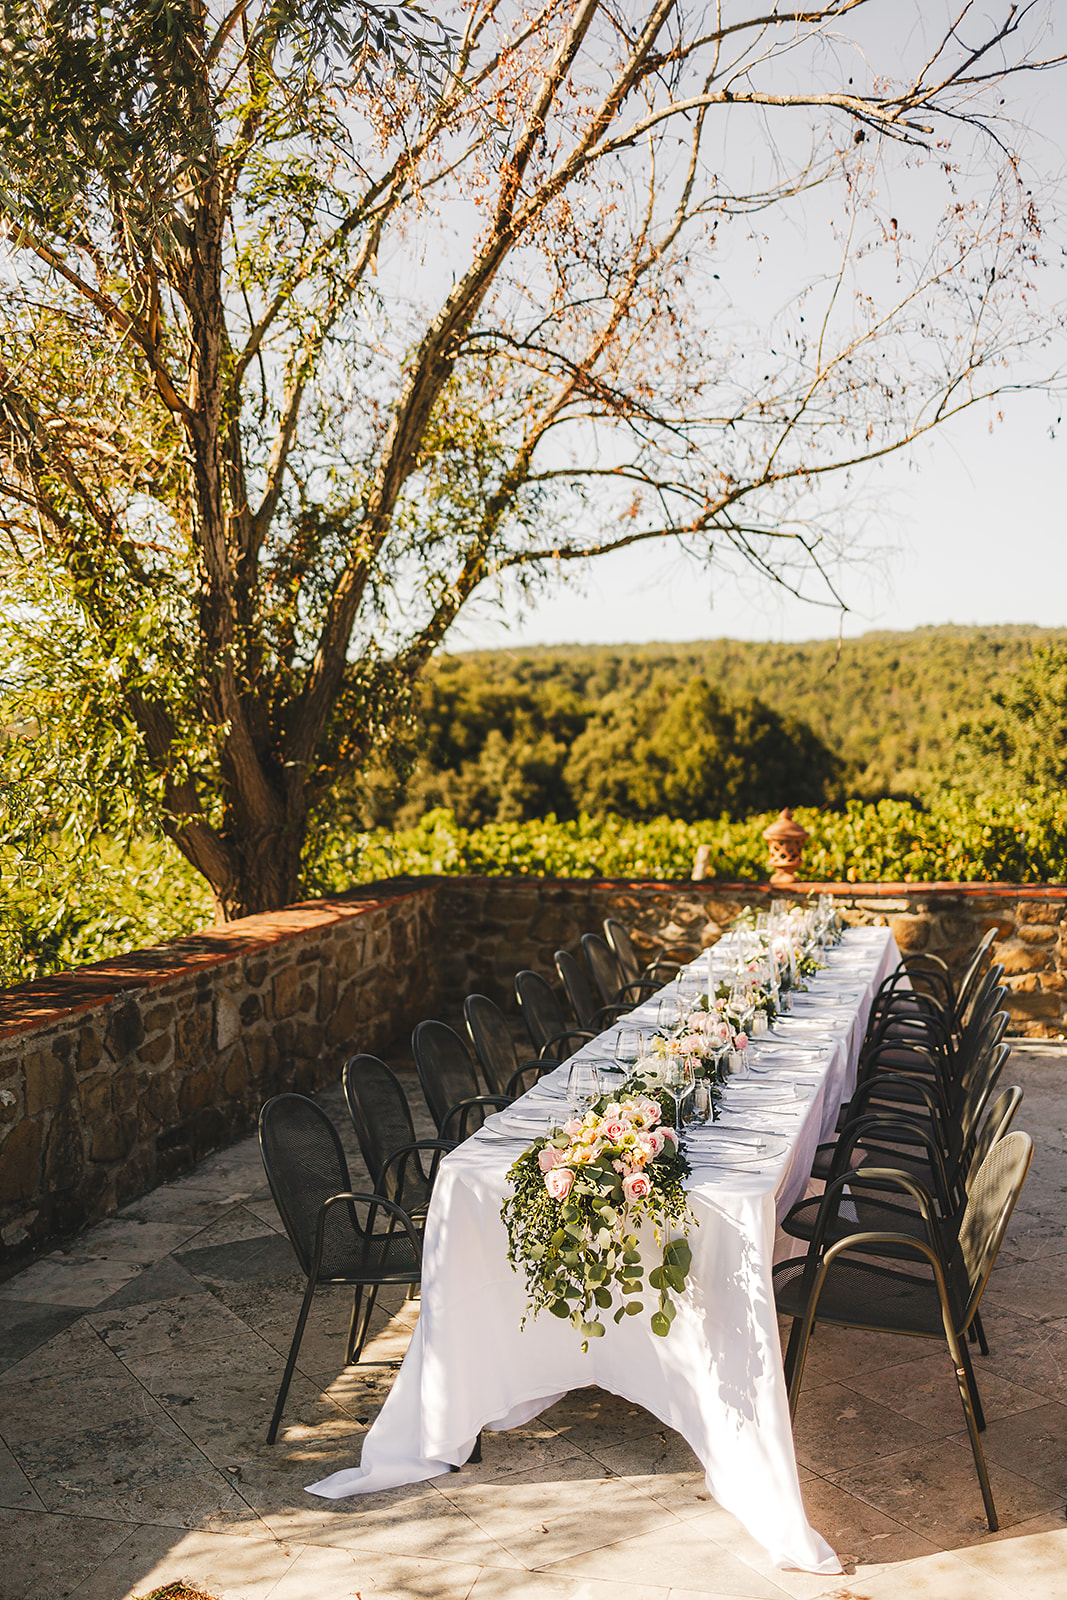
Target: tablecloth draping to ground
x,y
717,1378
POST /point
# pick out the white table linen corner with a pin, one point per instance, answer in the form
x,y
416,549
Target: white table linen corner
x,y
717,1379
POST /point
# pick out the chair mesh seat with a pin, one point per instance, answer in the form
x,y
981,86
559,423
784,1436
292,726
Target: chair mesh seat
x,y
859,1294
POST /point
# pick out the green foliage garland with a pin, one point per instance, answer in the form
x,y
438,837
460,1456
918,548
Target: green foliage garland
x,y
581,1251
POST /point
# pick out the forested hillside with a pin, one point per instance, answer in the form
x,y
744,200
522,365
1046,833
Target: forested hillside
x,y
696,730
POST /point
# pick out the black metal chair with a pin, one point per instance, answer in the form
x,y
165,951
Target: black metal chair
x,y
928,979
867,1209
591,1017
662,967
905,1019
308,1176
550,1033
845,1284
607,974
381,1117
495,1048
450,1082
947,1109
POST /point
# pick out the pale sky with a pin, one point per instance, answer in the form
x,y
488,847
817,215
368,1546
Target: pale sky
x,y
972,525
979,524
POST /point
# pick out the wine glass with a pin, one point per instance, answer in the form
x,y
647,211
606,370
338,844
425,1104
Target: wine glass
x,y
629,1048
583,1086
677,1080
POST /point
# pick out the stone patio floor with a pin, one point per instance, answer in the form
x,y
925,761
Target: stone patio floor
x,y
140,1365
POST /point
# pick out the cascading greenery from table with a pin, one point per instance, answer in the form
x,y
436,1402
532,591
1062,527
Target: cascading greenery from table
x,y
577,1203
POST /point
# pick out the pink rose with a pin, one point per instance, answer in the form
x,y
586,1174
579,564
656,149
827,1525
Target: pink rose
x,y
636,1186
559,1182
549,1157
614,1130
669,1133
740,1041
574,1127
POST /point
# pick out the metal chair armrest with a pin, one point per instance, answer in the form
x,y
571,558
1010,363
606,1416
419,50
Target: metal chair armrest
x,y
585,1034
876,1127
376,1202
499,1102
402,1152
541,1066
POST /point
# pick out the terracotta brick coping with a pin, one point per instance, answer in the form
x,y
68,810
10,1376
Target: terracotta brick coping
x,y
29,1005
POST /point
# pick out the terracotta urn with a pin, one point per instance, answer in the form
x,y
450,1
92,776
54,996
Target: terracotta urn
x,y
785,840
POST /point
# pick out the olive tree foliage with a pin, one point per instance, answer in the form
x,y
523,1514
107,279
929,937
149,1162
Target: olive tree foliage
x,y
316,323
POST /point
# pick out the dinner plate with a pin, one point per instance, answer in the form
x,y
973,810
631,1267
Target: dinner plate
x,y
712,1147
529,1121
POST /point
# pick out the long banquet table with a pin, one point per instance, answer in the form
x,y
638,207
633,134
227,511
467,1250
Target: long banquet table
x,y
717,1378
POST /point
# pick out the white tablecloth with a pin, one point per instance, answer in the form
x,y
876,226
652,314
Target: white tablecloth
x,y
716,1379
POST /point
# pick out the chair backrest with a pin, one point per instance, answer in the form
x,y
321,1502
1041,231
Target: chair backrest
x,y
604,965
576,984
987,1000
971,1108
305,1164
973,976
379,1110
445,1068
989,1206
993,1030
492,1041
618,938
999,1119
540,1008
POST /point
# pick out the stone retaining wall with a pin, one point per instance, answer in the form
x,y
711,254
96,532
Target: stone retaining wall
x,y
504,923
116,1076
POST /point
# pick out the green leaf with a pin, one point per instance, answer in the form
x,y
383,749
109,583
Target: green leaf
x,y
560,1308
593,1330
660,1324
679,1254
602,1298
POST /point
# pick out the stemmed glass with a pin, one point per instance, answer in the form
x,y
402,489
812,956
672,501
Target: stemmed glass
x,y
629,1048
583,1086
677,1080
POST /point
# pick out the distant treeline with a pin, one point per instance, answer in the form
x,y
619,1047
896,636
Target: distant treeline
x,y
697,730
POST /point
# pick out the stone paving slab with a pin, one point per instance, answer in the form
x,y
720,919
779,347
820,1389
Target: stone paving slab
x,y
138,1371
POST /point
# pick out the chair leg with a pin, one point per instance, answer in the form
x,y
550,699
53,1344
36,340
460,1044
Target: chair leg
x,y
353,1323
368,1308
980,1332
958,1351
791,1351
476,1454
976,1399
290,1365
796,1355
